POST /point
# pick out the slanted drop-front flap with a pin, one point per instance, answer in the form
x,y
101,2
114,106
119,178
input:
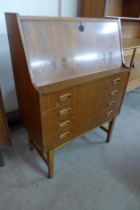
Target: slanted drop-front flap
x,y
61,49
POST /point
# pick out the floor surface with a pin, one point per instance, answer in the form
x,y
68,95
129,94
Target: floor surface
x,y
89,174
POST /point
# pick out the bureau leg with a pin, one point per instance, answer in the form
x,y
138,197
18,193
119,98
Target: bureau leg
x,y
110,129
1,159
50,160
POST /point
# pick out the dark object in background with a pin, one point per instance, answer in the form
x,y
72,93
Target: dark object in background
x,y
14,118
4,130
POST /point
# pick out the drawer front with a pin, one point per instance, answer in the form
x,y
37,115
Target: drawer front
x,y
95,105
97,120
97,87
56,100
59,119
90,106
108,115
88,124
91,89
60,138
117,81
113,95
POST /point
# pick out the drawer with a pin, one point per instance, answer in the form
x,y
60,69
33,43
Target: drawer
x,y
95,121
96,87
60,138
117,85
97,104
112,102
108,115
114,95
118,81
59,119
88,124
112,107
61,98
90,106
100,86
87,90
63,136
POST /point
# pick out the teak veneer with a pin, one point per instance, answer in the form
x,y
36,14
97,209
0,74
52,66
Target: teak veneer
x,y
69,77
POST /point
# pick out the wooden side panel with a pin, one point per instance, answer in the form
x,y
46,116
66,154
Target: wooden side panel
x,y
131,8
4,131
79,8
28,97
93,8
134,80
114,8
130,29
101,8
131,40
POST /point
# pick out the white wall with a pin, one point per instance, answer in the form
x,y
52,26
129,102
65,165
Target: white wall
x,y
24,7
69,7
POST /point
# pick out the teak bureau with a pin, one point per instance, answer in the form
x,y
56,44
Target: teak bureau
x,y
69,76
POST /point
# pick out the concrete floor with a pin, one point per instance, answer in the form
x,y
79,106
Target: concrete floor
x,y
89,174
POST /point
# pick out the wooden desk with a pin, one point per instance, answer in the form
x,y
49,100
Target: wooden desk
x,y
69,77
4,131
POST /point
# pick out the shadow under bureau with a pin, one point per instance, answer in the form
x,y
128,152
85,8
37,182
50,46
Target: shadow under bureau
x,y
69,76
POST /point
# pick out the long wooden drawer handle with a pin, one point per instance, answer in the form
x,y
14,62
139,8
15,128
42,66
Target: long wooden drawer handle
x,y
64,135
110,113
64,124
65,97
114,92
117,81
111,103
65,111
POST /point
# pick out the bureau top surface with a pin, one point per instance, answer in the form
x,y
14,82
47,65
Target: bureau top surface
x,y
62,49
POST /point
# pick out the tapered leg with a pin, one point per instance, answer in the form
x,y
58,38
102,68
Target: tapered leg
x,y
1,159
50,160
110,129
